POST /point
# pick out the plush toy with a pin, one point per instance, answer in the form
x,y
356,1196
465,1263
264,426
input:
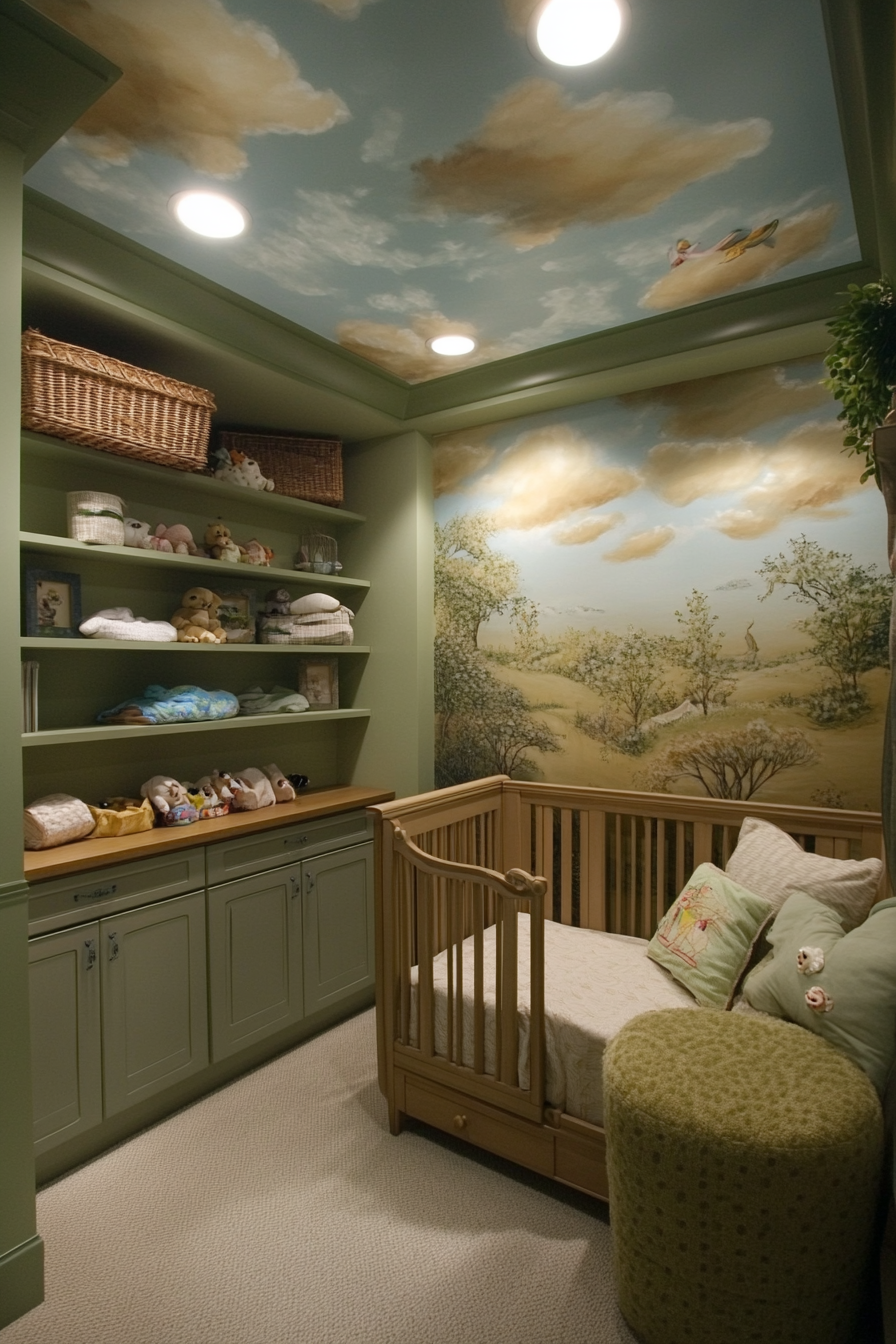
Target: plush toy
x,y
136,534
276,602
255,790
220,544
206,801
283,790
239,469
170,801
810,960
299,781
215,788
256,553
177,539
196,621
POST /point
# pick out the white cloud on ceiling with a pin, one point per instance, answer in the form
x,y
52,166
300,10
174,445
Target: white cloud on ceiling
x,y
550,474
706,277
641,545
458,456
403,350
730,403
588,529
197,81
682,472
570,308
379,147
408,301
533,170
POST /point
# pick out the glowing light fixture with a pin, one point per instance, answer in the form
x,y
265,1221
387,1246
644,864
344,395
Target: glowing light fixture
x,y
208,213
451,345
577,32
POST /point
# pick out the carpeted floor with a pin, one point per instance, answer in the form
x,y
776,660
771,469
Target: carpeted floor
x,y
281,1211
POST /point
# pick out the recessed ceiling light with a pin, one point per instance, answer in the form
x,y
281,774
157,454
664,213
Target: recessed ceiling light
x,y
576,32
208,213
451,345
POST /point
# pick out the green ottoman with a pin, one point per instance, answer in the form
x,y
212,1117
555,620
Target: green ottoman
x,y
745,1159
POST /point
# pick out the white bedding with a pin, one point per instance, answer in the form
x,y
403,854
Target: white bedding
x,y
594,984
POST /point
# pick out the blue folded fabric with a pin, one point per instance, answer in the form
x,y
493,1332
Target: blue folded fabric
x,y
182,704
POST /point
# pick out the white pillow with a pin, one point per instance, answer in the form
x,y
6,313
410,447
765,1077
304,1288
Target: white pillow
x,y
55,820
770,863
313,603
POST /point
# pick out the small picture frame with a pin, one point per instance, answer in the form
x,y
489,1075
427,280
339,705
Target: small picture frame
x,y
319,681
237,615
52,604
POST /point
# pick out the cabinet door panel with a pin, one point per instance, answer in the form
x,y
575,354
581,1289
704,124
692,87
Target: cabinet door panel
x,y
155,1022
338,933
255,958
64,984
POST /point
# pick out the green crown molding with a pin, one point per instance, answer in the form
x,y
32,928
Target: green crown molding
x,y
47,79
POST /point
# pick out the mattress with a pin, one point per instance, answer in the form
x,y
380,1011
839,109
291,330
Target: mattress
x,y
594,984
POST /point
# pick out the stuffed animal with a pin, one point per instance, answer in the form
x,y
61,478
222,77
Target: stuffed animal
x,y
224,785
177,539
196,621
255,790
220,544
170,801
239,469
283,790
206,801
215,789
256,553
299,781
276,602
136,534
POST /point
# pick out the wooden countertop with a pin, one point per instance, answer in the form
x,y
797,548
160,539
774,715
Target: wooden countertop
x,y
84,854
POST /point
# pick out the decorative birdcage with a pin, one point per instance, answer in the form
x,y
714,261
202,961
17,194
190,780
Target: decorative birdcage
x,y
317,554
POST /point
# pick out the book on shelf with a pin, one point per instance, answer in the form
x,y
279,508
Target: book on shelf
x,y
29,696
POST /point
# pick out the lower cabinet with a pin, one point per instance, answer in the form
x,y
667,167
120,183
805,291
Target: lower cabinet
x,y
118,1013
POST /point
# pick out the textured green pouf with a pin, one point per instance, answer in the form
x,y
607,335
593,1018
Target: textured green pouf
x,y
745,1160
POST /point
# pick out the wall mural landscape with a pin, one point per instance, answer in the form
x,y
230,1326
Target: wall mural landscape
x,y
682,590
413,168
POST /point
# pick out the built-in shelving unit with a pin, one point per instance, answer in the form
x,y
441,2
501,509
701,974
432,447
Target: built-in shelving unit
x,y
118,731
154,646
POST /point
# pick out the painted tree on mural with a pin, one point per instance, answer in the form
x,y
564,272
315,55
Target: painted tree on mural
x,y
699,652
848,626
731,764
483,725
630,671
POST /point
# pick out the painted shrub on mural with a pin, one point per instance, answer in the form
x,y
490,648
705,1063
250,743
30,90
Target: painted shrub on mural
x,y
679,589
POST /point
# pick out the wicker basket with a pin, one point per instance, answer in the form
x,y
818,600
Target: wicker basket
x,y
84,397
303,468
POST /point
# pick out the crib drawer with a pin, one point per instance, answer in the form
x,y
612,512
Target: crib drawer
x,y
581,1164
486,1126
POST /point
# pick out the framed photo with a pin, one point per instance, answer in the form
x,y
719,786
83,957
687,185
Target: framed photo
x,y
52,604
237,615
319,681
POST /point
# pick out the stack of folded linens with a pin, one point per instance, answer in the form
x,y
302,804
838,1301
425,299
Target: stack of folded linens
x,y
315,619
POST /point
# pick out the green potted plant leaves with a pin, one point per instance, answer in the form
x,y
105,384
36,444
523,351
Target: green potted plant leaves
x,y
861,364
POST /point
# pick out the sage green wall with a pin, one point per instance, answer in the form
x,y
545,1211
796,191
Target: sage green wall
x,y
21,1251
390,481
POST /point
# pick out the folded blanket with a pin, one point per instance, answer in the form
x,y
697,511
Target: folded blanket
x,y
333,627
279,700
121,623
182,704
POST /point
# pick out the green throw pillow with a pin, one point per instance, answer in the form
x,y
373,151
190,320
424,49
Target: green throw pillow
x,y
705,938
840,985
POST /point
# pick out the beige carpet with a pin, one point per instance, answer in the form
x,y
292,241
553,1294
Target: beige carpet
x,y
280,1210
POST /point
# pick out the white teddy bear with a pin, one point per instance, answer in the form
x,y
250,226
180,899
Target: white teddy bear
x,y
137,534
242,470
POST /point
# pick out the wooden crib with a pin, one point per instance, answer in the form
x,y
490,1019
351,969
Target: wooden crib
x,y
456,862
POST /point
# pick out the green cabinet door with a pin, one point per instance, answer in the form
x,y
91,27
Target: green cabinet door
x,y
255,957
155,1018
338,925
66,1066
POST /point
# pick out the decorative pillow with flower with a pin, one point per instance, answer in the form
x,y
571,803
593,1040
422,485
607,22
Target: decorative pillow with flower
x,y
706,937
840,985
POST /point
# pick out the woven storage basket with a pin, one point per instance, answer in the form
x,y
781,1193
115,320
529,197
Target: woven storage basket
x,y
303,468
84,397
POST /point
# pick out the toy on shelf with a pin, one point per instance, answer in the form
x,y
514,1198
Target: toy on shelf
x,y
95,518
177,539
283,790
256,553
299,781
137,534
169,800
207,802
238,469
121,623
121,816
220,545
196,620
276,602
317,554
253,790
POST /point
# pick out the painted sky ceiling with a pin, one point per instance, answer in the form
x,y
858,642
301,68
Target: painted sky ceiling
x,y
410,167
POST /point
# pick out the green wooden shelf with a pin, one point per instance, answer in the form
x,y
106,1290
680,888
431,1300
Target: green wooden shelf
x,y
112,732
151,645
233,573
58,450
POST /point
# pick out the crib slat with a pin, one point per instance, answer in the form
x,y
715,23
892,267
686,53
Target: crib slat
x,y
679,856
646,888
444,898
405,959
594,879
547,857
509,1028
424,964
536,1005
565,865
630,924
617,893
478,981
702,843
659,895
